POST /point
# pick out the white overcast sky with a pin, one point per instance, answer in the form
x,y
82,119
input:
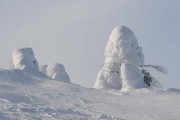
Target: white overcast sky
x,y
75,32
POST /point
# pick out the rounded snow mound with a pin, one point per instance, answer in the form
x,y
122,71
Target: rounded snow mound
x,y
109,77
24,59
55,71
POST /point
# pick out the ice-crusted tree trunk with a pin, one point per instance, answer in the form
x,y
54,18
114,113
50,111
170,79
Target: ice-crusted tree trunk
x,y
122,58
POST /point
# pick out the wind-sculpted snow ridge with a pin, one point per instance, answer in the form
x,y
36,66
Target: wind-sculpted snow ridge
x,y
34,97
55,71
122,56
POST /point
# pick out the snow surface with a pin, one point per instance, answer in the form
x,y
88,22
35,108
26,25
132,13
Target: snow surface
x,y
122,56
35,97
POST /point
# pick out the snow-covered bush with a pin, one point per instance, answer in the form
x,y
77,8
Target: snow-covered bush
x,y
55,71
148,78
24,59
122,57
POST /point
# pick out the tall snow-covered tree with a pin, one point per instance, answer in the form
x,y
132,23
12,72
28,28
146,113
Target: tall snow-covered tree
x,y
123,55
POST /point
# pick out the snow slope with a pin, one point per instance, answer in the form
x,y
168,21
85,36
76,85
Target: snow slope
x,y
35,97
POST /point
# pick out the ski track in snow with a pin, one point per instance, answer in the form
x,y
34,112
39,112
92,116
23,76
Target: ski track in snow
x,y
34,97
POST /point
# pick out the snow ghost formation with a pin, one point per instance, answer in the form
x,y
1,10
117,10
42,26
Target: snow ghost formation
x,y
55,71
24,59
122,57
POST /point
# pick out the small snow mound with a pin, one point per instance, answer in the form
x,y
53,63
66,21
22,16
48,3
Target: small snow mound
x,y
109,77
55,71
24,59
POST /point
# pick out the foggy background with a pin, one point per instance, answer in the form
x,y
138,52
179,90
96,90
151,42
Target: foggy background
x,y
75,32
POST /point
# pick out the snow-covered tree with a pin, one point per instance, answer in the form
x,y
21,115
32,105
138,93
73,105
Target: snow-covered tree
x,y
24,59
122,58
55,71
148,78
